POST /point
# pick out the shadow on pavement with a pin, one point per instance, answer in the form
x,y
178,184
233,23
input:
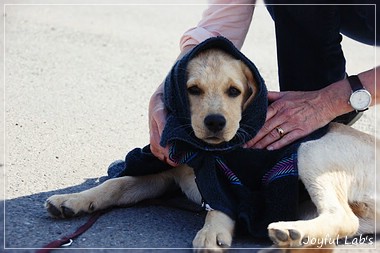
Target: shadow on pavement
x,y
170,222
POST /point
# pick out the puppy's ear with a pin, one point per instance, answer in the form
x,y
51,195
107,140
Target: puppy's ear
x,y
251,86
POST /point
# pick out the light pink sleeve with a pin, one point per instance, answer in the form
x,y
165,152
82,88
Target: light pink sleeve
x,y
228,18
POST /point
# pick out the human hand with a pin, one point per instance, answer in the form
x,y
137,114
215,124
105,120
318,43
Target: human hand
x,y
292,115
157,121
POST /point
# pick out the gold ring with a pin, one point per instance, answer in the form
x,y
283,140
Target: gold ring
x,y
280,131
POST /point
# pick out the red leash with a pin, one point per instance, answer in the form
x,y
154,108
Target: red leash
x,y
67,240
172,200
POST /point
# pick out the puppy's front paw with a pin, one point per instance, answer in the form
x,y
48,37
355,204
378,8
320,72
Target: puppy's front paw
x,y
212,239
285,234
68,205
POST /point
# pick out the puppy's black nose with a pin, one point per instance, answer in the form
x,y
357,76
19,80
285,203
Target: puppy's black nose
x,y
215,122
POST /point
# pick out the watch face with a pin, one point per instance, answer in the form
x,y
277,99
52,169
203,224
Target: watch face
x,y
360,99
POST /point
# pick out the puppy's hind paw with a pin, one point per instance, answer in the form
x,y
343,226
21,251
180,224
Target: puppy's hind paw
x,y
284,236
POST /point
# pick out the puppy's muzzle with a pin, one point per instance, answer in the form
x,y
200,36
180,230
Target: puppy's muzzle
x,y
215,122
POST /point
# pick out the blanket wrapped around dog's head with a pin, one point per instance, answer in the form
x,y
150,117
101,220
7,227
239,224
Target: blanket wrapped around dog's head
x,y
254,187
177,102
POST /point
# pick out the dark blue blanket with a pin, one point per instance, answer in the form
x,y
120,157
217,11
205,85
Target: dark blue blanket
x,y
254,187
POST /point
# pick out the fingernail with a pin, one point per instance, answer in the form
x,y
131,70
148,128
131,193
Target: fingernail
x,y
270,148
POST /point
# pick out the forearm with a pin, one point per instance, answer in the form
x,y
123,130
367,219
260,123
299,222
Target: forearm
x,y
228,18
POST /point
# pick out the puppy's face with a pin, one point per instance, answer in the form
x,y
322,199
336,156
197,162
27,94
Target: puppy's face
x,y
219,88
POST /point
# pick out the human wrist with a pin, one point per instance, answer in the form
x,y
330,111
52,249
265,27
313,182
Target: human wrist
x,y
336,97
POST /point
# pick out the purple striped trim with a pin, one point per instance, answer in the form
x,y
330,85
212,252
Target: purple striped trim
x,y
228,172
180,157
286,167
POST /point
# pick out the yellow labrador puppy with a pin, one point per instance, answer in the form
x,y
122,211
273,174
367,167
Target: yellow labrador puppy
x,y
337,169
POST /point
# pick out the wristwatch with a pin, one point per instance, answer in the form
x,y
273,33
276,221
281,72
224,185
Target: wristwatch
x,y
360,98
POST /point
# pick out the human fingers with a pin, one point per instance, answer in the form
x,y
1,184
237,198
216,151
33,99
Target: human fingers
x,y
272,120
286,139
291,117
275,95
288,112
280,136
160,152
272,131
155,138
297,114
274,107
157,121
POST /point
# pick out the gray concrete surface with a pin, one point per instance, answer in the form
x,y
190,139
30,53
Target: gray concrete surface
x,y
77,84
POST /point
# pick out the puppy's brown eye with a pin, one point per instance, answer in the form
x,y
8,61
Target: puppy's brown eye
x,y
233,92
194,90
